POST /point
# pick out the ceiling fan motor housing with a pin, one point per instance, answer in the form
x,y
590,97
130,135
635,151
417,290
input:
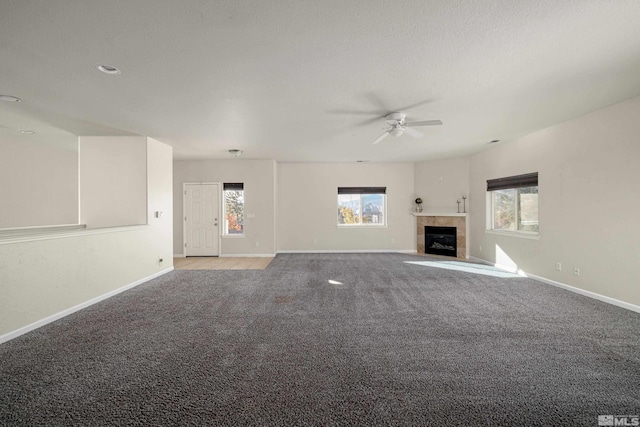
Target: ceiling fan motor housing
x,y
396,117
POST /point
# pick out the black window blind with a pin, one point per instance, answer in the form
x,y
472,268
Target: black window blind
x,y
233,186
518,181
362,190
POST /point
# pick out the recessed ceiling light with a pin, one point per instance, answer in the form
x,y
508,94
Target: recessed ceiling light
x,y
235,152
362,161
108,69
27,132
494,141
10,98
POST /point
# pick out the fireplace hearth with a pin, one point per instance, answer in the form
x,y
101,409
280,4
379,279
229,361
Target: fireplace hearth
x,y
441,241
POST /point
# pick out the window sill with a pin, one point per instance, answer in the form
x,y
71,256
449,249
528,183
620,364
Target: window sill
x,y
361,226
518,234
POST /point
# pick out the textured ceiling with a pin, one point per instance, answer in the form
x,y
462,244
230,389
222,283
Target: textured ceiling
x,y
303,80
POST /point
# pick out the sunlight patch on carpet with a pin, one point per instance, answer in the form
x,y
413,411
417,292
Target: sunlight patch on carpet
x,y
484,270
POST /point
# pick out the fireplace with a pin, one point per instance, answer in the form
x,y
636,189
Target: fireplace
x,y
457,221
441,241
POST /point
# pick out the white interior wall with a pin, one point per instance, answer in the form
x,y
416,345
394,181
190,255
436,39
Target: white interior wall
x,y
589,203
259,196
38,180
41,278
588,213
441,182
307,207
113,181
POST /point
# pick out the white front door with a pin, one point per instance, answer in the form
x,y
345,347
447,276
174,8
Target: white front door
x,y
201,210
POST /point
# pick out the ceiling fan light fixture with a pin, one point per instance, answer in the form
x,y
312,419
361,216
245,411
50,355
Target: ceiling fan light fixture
x,y
235,152
27,132
396,131
398,126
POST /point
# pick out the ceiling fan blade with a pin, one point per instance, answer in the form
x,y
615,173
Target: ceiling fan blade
x,y
425,123
379,104
413,132
377,116
369,121
353,112
383,107
381,137
417,104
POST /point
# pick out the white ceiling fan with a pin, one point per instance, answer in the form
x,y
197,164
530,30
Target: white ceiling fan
x,y
397,126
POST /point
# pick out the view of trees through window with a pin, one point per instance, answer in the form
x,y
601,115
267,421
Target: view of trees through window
x,y
234,211
516,209
359,209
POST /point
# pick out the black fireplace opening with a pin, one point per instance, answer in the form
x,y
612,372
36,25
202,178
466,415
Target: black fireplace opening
x,y
441,241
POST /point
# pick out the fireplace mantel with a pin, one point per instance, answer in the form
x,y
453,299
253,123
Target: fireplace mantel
x,y
447,219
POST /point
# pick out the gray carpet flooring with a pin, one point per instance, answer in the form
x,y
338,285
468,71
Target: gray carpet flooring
x,y
330,339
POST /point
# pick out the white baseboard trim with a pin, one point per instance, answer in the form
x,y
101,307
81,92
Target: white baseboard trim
x,y
589,294
349,251
246,255
501,267
480,260
570,288
235,255
35,325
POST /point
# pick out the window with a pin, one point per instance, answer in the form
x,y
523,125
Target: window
x,y
362,206
514,203
233,209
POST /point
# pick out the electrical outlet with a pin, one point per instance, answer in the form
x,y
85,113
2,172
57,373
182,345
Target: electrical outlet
x,y
315,241
480,248
559,266
576,271
257,244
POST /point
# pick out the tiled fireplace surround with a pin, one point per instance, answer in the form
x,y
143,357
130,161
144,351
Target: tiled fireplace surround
x,y
443,220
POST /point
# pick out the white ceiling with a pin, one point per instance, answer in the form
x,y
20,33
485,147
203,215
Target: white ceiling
x,y
302,80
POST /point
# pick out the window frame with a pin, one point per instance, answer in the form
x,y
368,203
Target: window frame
x,y
227,187
361,191
511,183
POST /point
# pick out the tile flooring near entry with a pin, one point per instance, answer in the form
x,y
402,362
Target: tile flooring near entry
x,y
226,263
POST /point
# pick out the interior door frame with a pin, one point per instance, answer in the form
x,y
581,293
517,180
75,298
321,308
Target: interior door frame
x,y
184,214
